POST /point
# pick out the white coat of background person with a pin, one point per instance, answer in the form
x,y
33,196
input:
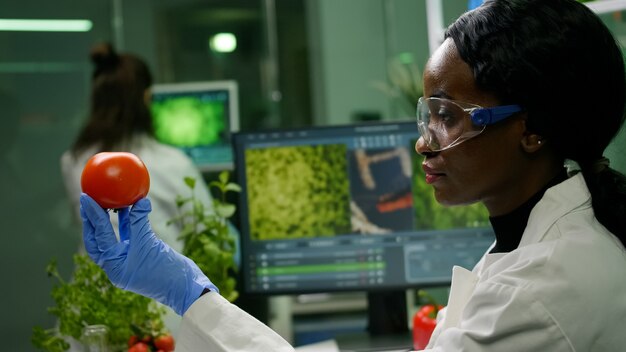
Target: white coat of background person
x,y
516,91
120,120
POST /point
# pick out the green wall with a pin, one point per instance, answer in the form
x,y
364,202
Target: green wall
x,y
616,151
352,44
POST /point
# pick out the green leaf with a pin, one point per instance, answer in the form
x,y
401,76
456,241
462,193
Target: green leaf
x,y
51,268
225,210
224,177
90,298
198,209
233,187
190,182
206,238
180,201
48,341
216,185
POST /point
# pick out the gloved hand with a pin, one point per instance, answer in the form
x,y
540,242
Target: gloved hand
x,y
140,262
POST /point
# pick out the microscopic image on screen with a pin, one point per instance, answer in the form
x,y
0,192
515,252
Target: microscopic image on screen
x,y
380,186
430,215
188,121
298,191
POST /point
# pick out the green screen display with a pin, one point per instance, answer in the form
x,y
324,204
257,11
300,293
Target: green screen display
x,y
298,191
191,120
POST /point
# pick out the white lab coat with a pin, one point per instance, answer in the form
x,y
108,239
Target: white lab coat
x,y
563,289
167,167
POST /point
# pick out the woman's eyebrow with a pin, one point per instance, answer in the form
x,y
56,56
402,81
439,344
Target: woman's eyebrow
x,y
440,94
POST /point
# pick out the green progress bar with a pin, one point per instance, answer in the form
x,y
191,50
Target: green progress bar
x,y
320,268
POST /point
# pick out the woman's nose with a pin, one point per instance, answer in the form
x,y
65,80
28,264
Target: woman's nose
x,y
421,147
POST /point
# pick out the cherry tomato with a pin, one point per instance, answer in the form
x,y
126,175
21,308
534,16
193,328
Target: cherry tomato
x,y
139,347
132,340
115,179
164,342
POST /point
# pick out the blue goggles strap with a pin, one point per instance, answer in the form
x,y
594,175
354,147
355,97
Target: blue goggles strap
x,y
488,116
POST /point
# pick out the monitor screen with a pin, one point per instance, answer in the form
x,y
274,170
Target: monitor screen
x,y
347,208
198,118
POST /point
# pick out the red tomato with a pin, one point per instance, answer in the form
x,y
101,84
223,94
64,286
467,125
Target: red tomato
x,y
115,179
139,347
133,340
164,342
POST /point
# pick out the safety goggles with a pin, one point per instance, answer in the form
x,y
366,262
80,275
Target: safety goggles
x,y
445,123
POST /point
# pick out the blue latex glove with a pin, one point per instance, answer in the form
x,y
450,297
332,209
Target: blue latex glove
x,y
140,262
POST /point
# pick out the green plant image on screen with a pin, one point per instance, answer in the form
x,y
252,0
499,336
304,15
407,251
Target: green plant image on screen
x,y
298,191
188,121
429,214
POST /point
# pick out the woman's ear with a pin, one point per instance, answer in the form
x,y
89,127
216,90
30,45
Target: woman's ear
x,y
532,142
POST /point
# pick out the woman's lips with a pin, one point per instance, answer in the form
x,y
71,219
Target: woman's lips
x,y
432,175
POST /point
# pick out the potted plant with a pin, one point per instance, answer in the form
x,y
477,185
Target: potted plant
x,y
90,299
206,235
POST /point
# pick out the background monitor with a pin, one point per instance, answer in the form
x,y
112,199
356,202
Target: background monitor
x,y
347,208
198,118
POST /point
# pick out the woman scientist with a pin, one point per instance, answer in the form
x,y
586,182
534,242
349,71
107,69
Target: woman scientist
x,y
517,89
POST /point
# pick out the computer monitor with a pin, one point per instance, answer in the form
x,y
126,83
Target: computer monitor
x,y
198,118
347,208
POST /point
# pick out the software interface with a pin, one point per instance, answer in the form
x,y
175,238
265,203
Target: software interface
x,y
347,208
197,118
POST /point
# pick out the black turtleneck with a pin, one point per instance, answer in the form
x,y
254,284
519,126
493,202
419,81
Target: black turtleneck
x,y
510,227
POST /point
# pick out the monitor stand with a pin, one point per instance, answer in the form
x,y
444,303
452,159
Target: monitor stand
x,y
387,328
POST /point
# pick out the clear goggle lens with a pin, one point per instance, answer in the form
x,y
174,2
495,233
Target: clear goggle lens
x,y
444,123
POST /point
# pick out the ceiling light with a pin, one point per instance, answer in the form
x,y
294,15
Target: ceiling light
x,y
223,43
45,25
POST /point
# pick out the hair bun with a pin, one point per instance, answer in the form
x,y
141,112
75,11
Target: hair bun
x,y
104,57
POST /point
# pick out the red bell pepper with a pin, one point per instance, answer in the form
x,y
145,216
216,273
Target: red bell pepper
x,y
424,322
